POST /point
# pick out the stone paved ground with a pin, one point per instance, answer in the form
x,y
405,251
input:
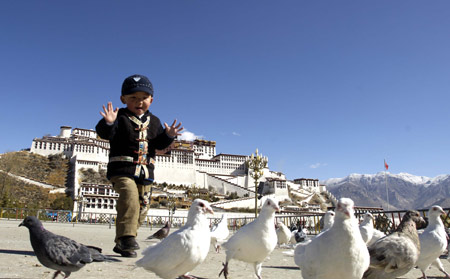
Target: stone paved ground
x,y
18,261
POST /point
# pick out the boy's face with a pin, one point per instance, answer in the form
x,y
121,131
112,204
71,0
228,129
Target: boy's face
x,y
138,102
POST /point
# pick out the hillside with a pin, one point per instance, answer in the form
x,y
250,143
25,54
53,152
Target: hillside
x,y
406,191
16,193
51,170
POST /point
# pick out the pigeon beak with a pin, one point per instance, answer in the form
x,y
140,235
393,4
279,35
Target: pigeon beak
x,y
277,208
346,212
343,209
208,210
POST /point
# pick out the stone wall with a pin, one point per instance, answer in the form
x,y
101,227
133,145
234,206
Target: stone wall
x,y
223,186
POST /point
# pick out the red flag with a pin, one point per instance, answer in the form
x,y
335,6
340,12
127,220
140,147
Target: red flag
x,y
386,166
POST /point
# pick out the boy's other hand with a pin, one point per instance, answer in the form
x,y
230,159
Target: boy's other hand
x,y
174,129
110,114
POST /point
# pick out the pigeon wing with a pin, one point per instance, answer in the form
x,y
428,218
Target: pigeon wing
x,y
241,239
431,243
391,253
158,234
251,243
431,247
167,254
66,252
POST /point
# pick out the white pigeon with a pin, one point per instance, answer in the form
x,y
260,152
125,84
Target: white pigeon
x,y
220,232
338,252
366,227
254,241
328,220
183,250
283,233
433,241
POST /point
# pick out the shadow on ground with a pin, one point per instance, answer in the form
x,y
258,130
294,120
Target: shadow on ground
x,y
17,252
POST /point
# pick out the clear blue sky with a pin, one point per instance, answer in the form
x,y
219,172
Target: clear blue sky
x,y
323,88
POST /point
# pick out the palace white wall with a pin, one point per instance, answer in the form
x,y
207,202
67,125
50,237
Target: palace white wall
x,y
225,187
179,176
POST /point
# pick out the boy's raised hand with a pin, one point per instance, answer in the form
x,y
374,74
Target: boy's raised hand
x,y
109,113
174,129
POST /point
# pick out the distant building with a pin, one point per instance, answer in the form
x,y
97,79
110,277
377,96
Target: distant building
x,y
188,163
312,184
97,198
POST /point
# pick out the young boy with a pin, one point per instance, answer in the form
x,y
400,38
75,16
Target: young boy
x,y
134,134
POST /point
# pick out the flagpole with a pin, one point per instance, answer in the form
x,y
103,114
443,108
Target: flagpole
x,y
385,181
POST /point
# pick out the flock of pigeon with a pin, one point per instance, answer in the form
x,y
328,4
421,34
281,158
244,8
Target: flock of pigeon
x,y
343,249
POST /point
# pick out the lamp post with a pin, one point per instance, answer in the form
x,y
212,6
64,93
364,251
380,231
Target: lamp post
x,y
171,206
81,205
256,165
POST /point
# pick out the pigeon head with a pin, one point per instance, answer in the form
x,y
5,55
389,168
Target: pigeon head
x,y
414,216
329,215
31,222
271,205
435,211
201,206
328,220
344,208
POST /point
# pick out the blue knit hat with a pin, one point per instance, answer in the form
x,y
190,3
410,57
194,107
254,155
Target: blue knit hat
x,y
137,83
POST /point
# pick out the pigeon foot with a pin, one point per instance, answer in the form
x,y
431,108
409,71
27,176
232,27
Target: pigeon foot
x,y
56,274
224,270
66,275
446,274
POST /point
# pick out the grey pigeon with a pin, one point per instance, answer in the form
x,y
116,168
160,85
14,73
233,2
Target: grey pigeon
x,y
59,252
300,235
396,254
161,233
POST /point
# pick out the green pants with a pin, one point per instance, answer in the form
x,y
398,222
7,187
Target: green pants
x,y
132,205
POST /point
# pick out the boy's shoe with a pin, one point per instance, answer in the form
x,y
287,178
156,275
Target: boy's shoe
x,y
126,254
127,243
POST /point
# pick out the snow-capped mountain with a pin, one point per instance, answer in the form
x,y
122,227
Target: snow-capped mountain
x,y
406,191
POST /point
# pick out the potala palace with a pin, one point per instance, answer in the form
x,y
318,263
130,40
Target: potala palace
x,y
189,163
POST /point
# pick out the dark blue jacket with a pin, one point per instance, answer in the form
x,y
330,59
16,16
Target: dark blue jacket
x,y
123,138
